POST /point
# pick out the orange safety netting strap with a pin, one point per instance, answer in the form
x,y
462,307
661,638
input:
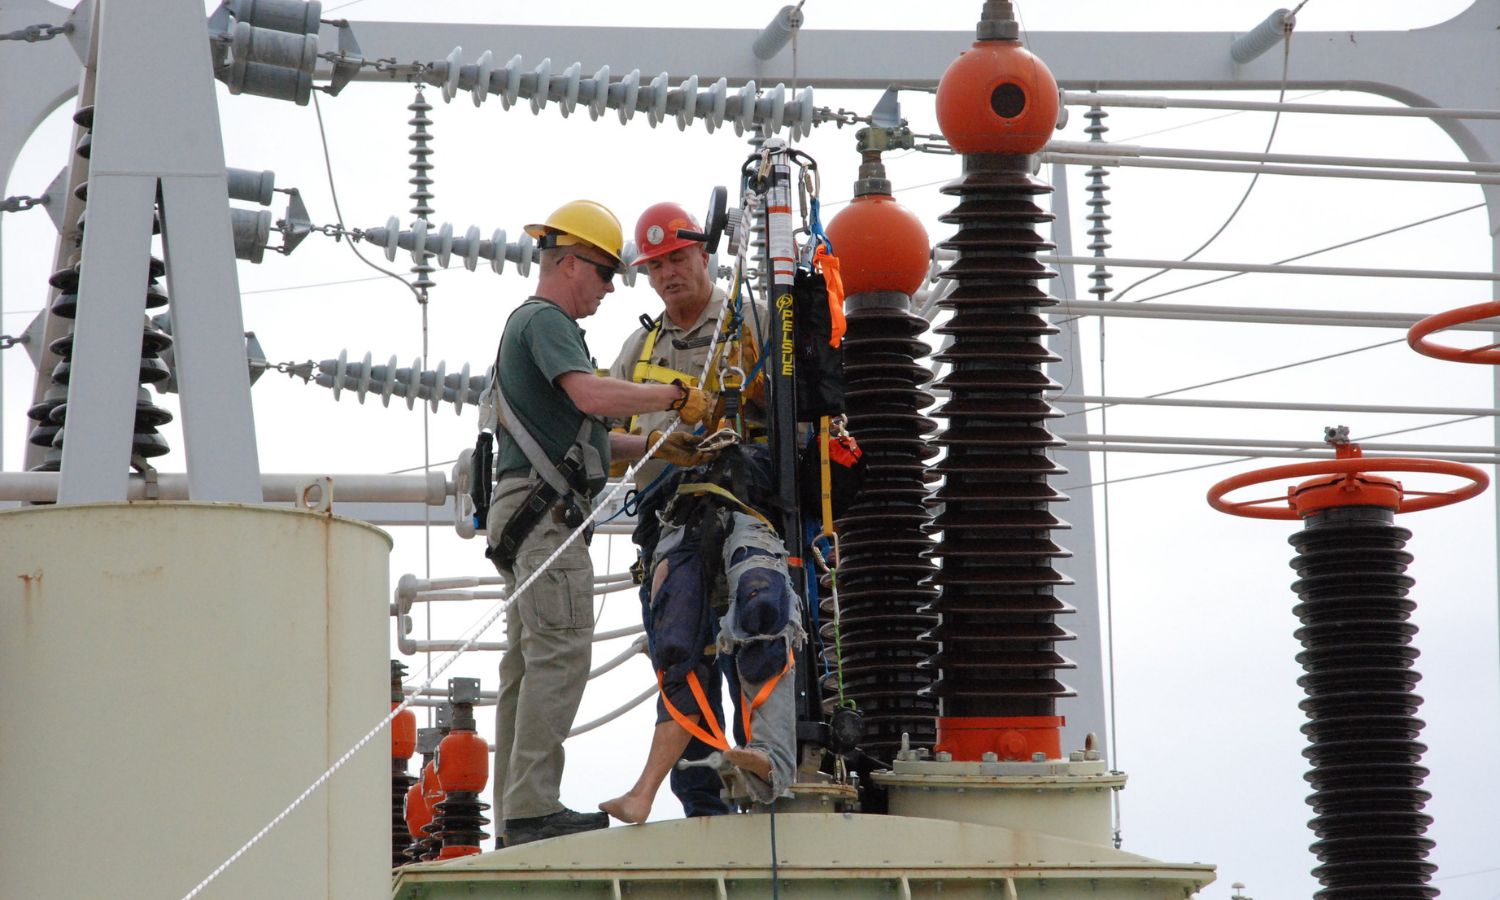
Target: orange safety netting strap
x,y
762,694
715,739
828,264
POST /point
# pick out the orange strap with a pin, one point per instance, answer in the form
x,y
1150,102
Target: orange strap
x,y
715,739
828,264
765,691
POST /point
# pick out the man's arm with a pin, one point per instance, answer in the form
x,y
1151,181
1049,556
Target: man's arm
x,y
598,396
626,447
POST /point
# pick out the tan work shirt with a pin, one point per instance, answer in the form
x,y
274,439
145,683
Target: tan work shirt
x,y
665,353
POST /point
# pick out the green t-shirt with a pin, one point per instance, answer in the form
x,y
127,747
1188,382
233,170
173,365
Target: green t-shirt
x,y
542,343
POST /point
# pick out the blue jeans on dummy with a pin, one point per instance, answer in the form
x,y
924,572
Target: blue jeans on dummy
x,y
698,788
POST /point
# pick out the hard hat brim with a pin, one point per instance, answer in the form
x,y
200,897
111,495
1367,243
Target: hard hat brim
x,y
665,248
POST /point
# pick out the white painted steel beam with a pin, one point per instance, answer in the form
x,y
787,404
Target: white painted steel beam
x,y
1103,148
431,489
1272,444
1195,265
1146,101
154,104
1250,453
1130,162
1266,405
1251,314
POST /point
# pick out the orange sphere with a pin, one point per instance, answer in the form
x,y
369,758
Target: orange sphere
x,y
418,813
463,762
881,246
997,98
403,734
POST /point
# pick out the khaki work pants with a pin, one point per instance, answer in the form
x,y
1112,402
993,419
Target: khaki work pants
x,y
550,630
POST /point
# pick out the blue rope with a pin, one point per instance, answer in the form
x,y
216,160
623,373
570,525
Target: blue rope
x,y
815,227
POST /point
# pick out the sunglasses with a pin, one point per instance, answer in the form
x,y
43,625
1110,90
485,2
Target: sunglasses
x,y
605,271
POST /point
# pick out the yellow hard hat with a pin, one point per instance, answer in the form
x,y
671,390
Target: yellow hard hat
x,y
581,221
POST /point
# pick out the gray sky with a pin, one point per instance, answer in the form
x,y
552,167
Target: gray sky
x,y
1206,699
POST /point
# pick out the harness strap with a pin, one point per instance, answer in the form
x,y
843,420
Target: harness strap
x,y
531,449
760,696
710,488
825,476
540,462
648,371
715,739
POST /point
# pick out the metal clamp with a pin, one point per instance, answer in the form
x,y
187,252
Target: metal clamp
x,y
714,760
21,204
34,33
316,495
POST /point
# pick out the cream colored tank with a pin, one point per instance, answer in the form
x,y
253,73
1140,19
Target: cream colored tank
x,y
171,676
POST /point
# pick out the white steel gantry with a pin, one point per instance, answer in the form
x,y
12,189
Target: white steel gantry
x,y
155,139
1393,64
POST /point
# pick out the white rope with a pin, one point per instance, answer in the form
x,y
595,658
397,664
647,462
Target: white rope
x,y
610,717
475,632
636,646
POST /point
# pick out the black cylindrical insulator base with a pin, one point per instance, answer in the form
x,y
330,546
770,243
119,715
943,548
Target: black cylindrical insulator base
x,y
458,820
883,540
996,584
400,834
1362,728
427,848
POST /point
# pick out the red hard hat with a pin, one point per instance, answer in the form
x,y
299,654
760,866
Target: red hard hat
x,y
656,231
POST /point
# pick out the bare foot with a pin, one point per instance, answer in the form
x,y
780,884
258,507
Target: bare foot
x,y
628,808
756,762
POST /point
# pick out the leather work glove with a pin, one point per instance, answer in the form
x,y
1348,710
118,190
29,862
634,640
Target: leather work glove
x,y
693,405
681,449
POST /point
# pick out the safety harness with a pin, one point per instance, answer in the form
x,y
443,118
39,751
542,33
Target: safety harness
x,y
581,471
709,731
714,736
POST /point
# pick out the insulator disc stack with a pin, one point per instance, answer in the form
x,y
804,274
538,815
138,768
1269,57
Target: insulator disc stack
x,y
51,413
1362,728
462,770
883,539
460,821
997,582
421,180
401,782
434,386
403,745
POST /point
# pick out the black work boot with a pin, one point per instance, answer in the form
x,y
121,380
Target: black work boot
x,y
564,821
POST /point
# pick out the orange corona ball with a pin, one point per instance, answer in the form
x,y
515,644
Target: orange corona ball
x,y
881,246
997,98
418,813
463,762
403,734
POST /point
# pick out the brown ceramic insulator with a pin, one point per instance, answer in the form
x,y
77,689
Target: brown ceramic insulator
x,y
146,442
147,414
151,371
400,834
996,605
883,538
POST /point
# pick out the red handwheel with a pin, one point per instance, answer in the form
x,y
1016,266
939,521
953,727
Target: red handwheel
x,y
1418,334
1344,482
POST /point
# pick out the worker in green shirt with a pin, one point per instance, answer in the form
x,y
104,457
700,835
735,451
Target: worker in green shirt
x,y
554,453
